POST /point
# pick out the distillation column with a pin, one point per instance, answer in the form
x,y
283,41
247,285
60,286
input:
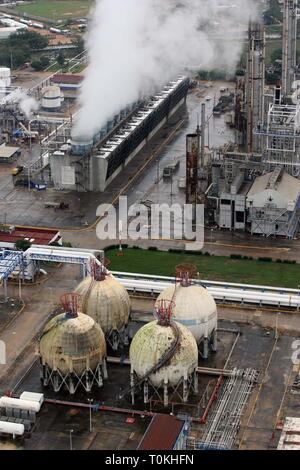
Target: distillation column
x,y
289,47
255,84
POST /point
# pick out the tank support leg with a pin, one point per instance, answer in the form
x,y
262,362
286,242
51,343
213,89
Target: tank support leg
x,y
71,386
205,348
185,389
146,391
166,392
195,382
214,346
132,387
104,368
56,382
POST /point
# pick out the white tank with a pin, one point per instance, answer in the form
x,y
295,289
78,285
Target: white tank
x,y
51,98
5,77
106,301
8,402
16,429
194,307
149,345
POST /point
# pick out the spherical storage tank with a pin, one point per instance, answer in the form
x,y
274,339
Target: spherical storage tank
x,y
194,306
72,349
51,98
164,354
107,302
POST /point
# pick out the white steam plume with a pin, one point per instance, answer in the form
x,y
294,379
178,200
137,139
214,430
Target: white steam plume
x,y
28,105
136,46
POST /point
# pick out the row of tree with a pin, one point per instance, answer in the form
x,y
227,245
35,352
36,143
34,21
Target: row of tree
x,y
18,48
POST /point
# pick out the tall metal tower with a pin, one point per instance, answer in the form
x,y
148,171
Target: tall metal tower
x,y
255,84
289,46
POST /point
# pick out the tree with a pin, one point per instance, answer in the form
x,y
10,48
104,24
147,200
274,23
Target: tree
x,y
22,245
37,65
61,59
45,61
29,38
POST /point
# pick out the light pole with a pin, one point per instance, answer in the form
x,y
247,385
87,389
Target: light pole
x,y
71,443
90,400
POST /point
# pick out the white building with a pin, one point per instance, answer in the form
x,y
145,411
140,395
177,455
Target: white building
x,y
273,204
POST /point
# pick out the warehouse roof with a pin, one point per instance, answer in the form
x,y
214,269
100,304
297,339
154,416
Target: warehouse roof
x,y
38,236
162,433
8,152
67,78
284,183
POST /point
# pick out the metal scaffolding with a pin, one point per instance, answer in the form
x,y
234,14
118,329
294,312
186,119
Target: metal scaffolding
x,y
282,137
223,423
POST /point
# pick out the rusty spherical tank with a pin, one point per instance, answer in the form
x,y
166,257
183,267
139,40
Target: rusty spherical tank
x,y
106,301
152,342
72,344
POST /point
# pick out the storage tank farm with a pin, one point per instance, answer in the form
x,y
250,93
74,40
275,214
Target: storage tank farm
x,y
107,302
164,358
194,308
72,349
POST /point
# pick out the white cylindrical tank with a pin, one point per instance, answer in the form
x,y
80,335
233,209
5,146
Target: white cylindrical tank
x,y
51,98
5,77
151,342
8,402
16,429
106,301
194,307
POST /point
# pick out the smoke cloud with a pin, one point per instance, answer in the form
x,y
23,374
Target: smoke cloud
x,y
136,46
28,105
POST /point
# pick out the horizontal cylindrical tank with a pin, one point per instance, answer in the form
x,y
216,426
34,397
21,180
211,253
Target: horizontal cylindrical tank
x,y
15,429
8,402
5,77
51,98
194,307
151,342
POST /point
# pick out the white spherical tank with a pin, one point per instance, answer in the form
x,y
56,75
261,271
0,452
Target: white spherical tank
x,y
106,301
194,307
5,77
149,345
51,98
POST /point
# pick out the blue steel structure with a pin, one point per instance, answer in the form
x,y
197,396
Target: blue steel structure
x,y
9,261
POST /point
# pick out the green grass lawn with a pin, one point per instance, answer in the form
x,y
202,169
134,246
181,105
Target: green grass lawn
x,y
55,9
218,268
